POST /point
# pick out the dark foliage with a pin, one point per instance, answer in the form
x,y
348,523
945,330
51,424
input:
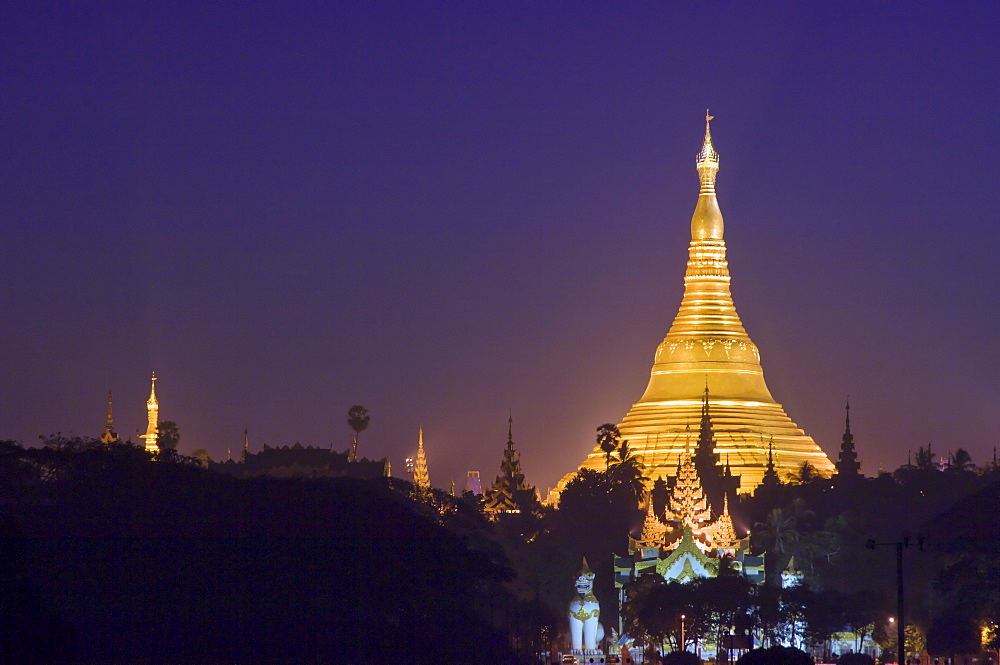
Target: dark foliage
x,y
680,658
116,558
776,656
953,634
855,659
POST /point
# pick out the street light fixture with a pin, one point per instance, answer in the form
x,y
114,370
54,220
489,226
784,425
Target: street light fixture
x,y
683,643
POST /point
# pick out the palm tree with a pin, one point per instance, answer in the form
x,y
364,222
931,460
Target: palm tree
x,y
608,438
961,460
626,471
777,535
803,474
358,418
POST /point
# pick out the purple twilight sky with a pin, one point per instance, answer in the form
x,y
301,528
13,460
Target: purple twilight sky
x,y
446,212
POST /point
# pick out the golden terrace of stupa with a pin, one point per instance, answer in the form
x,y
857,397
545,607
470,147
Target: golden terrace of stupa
x,y
707,347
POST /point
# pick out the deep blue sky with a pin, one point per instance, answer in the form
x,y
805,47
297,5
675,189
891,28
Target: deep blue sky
x,y
448,211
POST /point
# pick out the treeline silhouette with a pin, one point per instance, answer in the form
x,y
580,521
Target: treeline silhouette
x,y
109,557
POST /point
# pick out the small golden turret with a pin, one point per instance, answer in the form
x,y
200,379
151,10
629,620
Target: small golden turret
x,y
152,418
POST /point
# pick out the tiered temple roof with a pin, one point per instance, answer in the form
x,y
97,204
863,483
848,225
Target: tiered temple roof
x,y
687,543
847,463
502,496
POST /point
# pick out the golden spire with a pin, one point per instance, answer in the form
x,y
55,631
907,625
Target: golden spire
x,y
246,444
152,418
109,436
421,476
706,223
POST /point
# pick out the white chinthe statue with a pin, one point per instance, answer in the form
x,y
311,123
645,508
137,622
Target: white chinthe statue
x,y
585,627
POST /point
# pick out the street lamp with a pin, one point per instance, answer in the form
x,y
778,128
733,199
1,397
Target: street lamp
x,y
683,644
901,624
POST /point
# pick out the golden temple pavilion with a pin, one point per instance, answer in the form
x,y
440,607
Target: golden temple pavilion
x,y
707,349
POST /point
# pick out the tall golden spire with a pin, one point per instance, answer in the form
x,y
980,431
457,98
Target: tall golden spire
x,y
152,418
109,436
421,476
707,347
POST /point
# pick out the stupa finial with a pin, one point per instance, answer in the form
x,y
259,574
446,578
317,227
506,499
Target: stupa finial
x,y
708,158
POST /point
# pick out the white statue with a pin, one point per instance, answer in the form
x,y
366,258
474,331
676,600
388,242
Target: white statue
x,y
585,627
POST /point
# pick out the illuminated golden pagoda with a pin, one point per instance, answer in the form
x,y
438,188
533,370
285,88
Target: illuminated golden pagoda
x,y
707,348
152,417
421,476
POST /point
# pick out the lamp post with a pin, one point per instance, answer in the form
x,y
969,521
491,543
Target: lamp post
x,y
683,643
900,620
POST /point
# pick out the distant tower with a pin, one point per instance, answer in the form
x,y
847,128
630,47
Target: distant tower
x,y
152,417
421,476
507,493
473,483
847,464
770,474
109,436
246,445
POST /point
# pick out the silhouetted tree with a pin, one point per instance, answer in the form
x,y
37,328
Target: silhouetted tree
x,y
608,438
626,472
168,435
358,419
924,459
961,460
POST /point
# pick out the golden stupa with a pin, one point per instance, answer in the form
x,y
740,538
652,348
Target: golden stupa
x,y
707,348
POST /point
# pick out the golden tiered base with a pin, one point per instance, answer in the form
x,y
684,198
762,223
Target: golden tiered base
x,y
657,433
